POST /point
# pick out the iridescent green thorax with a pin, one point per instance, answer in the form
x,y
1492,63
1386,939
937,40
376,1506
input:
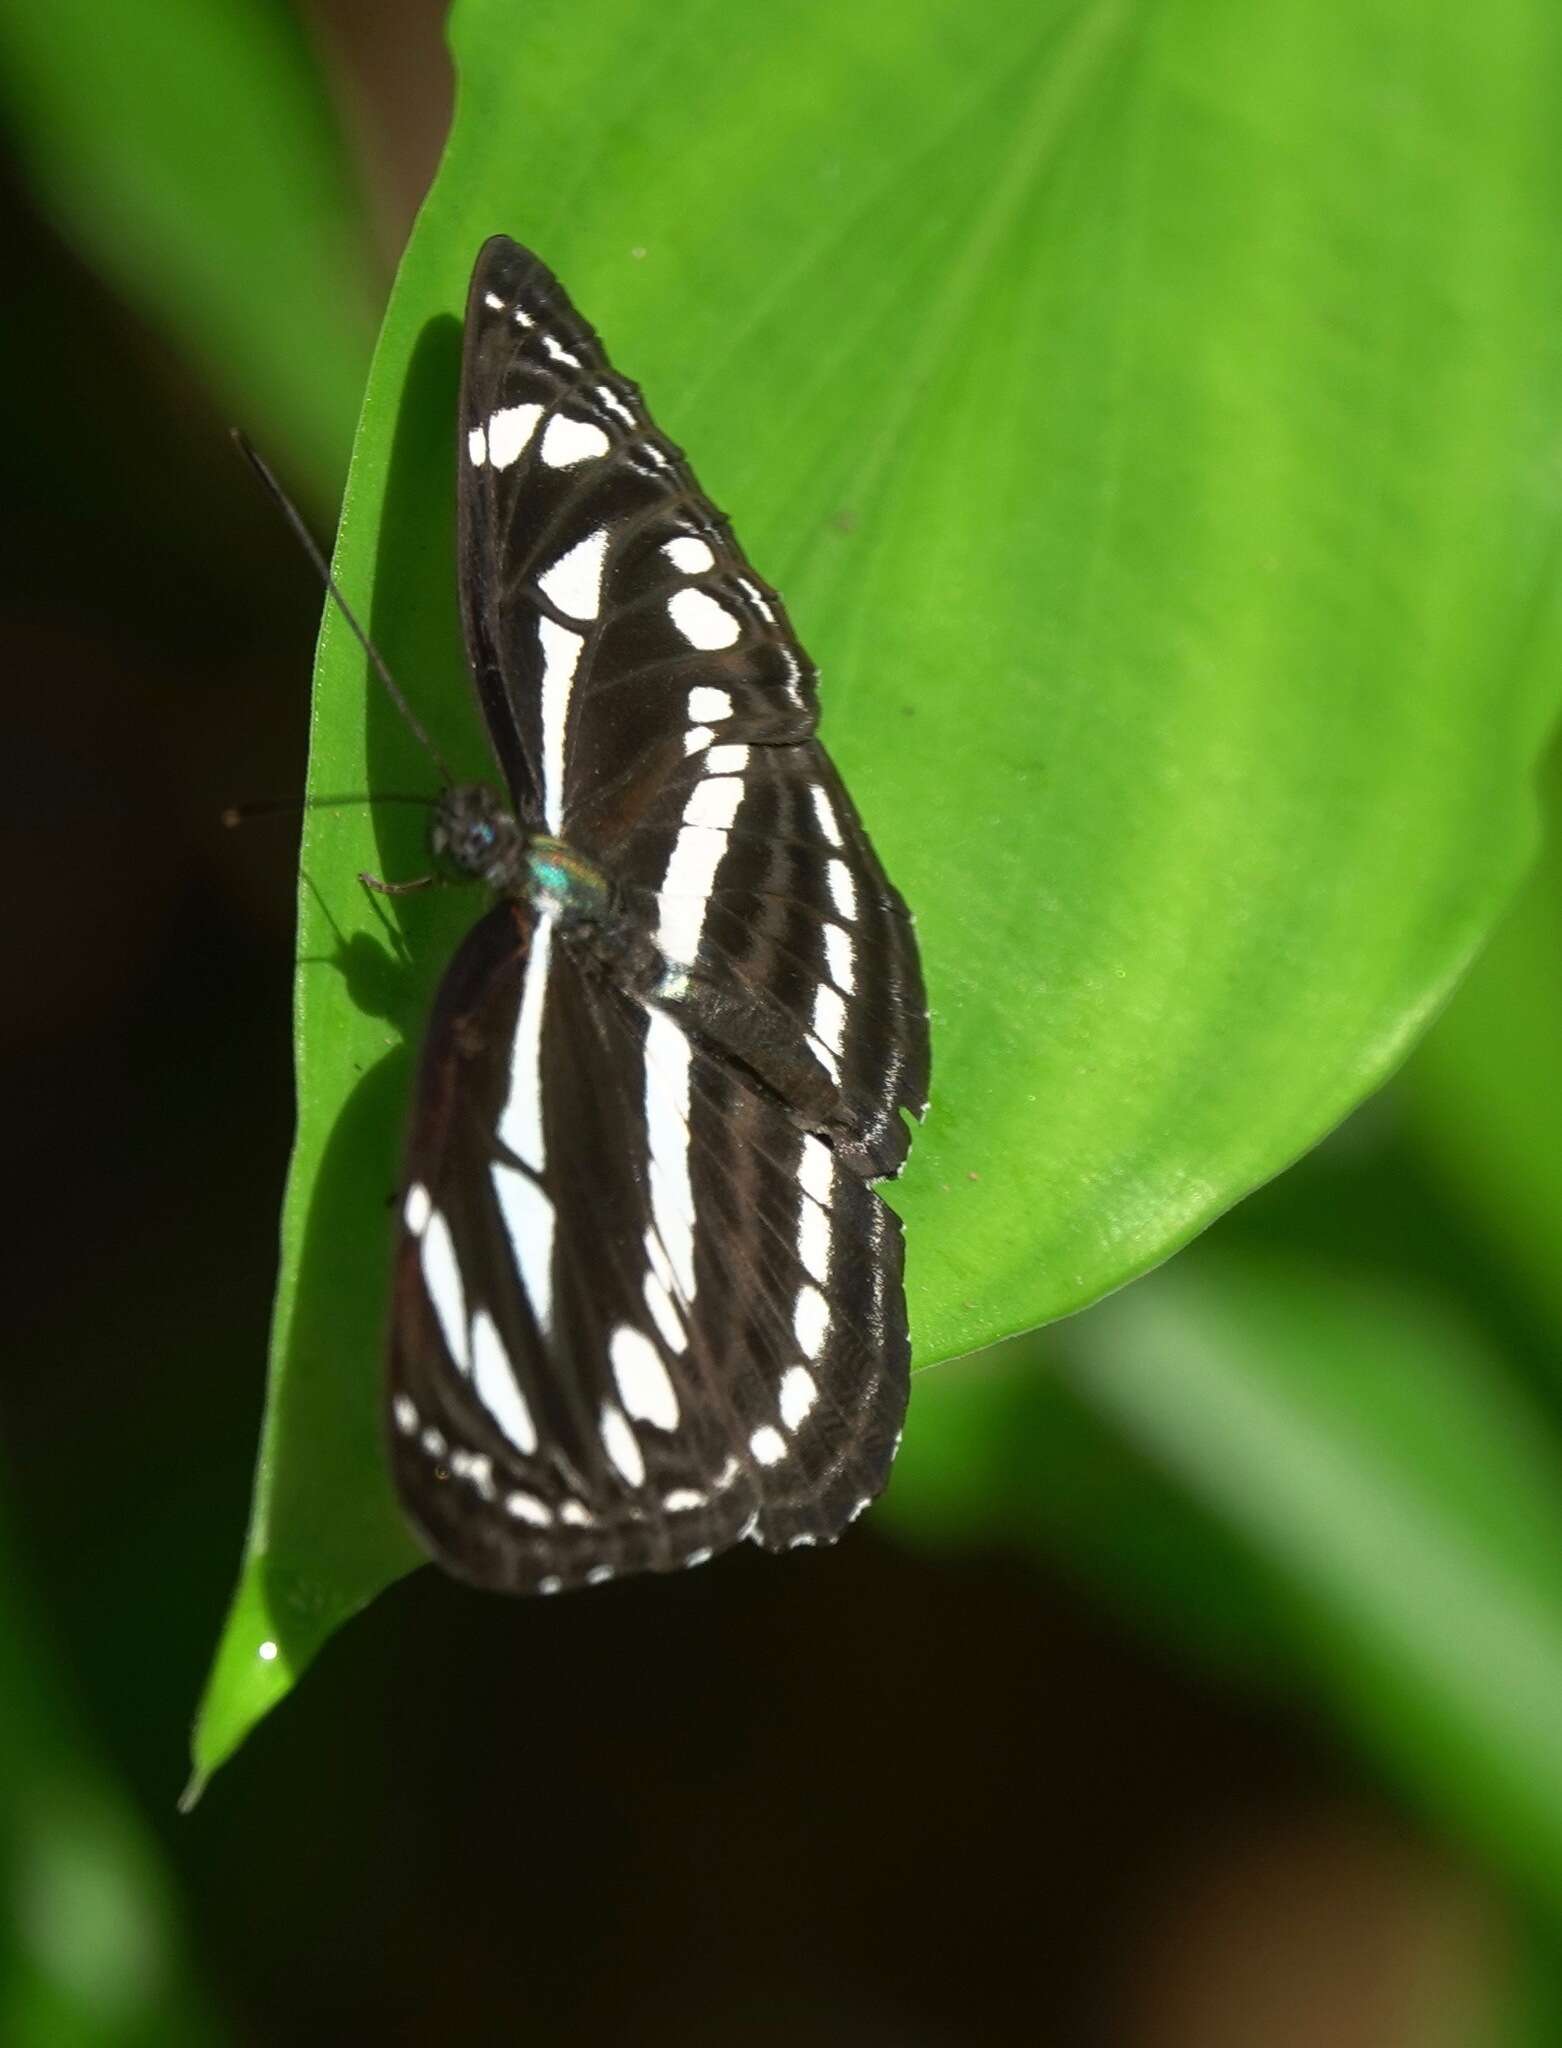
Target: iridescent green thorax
x,y
558,880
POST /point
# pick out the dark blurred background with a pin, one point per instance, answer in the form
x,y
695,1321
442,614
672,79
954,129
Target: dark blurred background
x,y
907,1793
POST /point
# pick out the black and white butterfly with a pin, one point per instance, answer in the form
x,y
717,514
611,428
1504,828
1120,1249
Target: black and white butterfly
x,y
646,1302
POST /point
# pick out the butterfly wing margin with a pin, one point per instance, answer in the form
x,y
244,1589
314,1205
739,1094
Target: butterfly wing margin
x,y
497,377
637,1316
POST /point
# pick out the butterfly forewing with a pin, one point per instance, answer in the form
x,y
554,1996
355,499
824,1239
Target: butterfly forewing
x,y
647,1302
612,622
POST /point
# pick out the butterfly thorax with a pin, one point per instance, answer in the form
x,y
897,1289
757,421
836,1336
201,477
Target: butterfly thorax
x,y
560,882
474,837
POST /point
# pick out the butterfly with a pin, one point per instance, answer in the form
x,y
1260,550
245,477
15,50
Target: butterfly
x,y
646,1302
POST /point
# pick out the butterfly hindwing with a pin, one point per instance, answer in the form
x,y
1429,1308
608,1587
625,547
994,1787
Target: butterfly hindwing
x,y
638,1314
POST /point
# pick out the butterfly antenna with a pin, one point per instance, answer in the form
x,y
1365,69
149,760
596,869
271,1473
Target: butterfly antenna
x,y
276,806
307,542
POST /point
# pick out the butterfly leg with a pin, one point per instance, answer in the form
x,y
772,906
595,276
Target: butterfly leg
x,y
398,888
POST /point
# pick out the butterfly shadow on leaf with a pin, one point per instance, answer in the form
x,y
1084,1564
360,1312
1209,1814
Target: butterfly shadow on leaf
x,y
331,1535
378,974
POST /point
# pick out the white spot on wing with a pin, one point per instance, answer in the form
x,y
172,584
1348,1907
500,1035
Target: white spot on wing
x,y
576,1513
560,656
701,620
728,760
493,302
794,673
526,1507
667,1058
416,1209
568,441
690,554
713,804
560,353
843,890
682,1499
696,737
708,702
442,1278
529,1222
509,430
574,583
813,1240
641,1378
810,1320
406,1415
477,447
830,1017
838,957
615,404
664,1312
477,1469
768,1445
816,1170
520,1125
691,870
621,1445
599,1575
659,1264
495,1385
824,811
799,1392
757,598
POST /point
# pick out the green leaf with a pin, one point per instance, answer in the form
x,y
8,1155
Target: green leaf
x,y
1372,1454
1139,406
187,148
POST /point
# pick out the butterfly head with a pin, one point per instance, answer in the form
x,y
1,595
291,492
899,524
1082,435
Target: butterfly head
x,y
472,836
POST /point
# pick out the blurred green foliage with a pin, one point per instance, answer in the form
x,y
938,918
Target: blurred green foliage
x,y
189,150
91,1955
1151,415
